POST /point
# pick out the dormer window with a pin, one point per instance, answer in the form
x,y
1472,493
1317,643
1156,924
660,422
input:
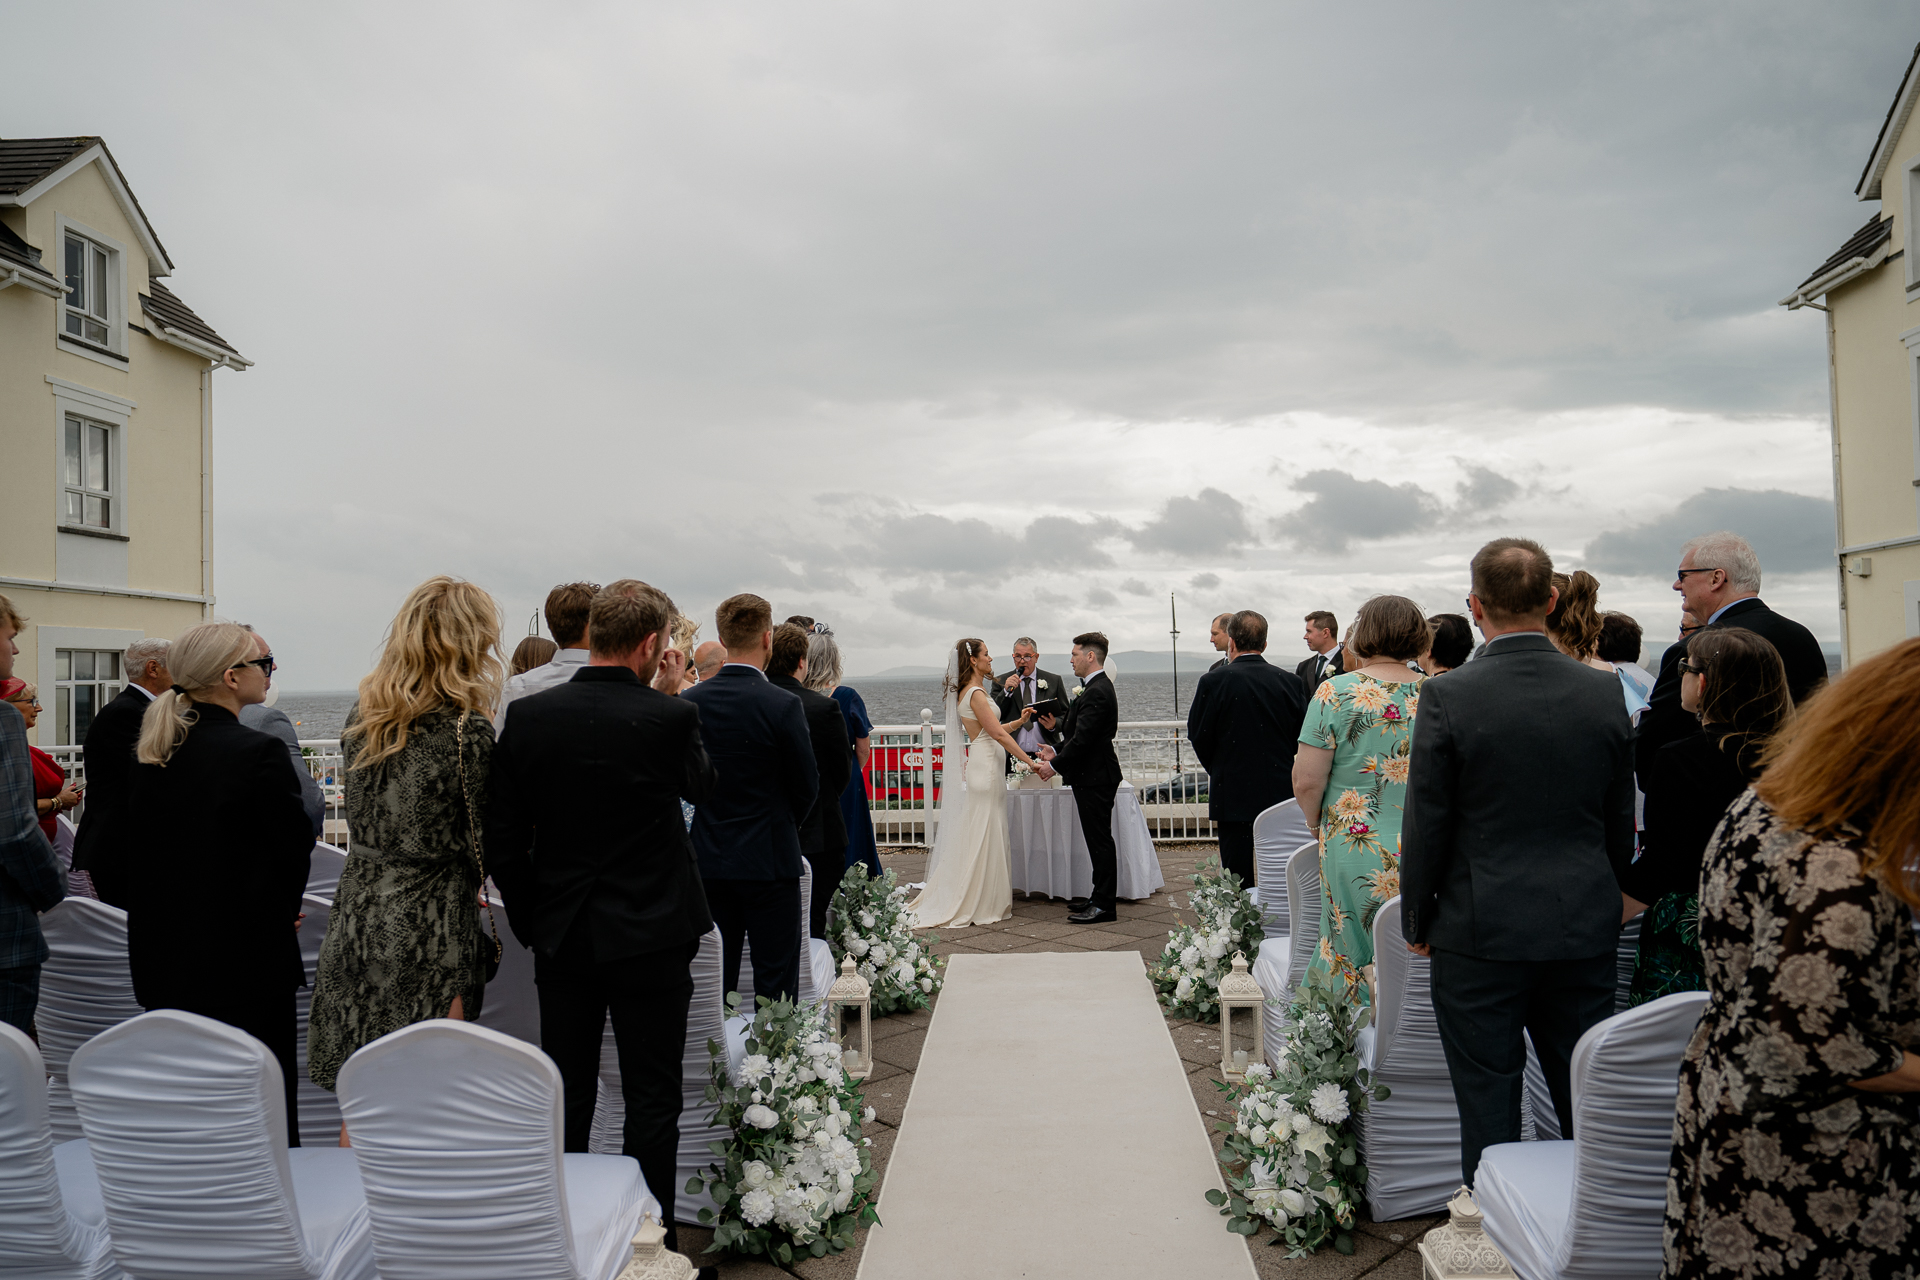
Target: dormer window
x,y
89,274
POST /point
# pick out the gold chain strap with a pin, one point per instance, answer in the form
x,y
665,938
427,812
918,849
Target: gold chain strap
x,y
473,825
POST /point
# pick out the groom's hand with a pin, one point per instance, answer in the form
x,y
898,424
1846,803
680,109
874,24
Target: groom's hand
x,y
1045,770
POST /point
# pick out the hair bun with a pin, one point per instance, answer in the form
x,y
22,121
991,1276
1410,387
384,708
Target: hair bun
x,y
177,689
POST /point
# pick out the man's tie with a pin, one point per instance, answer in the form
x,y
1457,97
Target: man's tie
x,y
1026,690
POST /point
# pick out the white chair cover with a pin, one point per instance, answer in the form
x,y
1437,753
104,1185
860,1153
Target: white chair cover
x,y
512,1003
1629,949
1410,1142
52,1225
1277,832
1591,1208
187,1121
705,1022
85,988
323,871
79,883
1283,961
319,1120
457,1129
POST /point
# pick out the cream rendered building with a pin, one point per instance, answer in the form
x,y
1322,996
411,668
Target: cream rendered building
x,y
106,422
1872,292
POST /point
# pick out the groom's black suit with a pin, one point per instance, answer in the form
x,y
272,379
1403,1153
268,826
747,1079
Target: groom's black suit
x,y
1087,761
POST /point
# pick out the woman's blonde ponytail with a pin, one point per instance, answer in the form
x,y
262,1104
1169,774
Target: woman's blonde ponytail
x,y
198,660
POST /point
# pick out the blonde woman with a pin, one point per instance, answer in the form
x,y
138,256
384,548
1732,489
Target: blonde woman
x,y
214,897
400,944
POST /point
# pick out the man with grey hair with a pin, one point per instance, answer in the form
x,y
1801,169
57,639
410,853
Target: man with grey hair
x,y
1025,685
1719,581
101,846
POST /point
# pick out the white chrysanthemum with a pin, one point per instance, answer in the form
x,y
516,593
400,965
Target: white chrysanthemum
x,y
1329,1102
1258,1071
754,1065
1302,1122
806,1104
1190,956
761,1117
903,974
756,1207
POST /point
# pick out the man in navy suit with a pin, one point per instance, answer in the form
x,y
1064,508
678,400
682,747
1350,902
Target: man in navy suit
x,y
747,834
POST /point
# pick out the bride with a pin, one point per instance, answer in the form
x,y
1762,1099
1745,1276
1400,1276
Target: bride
x,y
968,876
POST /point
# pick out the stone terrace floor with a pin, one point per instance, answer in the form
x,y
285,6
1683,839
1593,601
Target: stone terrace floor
x,y
1382,1249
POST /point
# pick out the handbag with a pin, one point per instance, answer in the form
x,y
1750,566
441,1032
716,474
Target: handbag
x,y
489,957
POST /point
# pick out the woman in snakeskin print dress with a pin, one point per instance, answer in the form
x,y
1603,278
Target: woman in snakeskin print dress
x,y
400,940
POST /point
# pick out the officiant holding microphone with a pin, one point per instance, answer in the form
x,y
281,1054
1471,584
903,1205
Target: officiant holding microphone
x,y
1020,688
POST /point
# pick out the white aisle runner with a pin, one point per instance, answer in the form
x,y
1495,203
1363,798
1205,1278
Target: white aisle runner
x,y
1051,1133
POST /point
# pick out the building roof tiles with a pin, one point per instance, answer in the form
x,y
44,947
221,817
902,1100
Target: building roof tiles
x,y
166,308
1860,244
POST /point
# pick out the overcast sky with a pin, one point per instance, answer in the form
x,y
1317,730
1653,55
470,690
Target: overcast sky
x,y
989,318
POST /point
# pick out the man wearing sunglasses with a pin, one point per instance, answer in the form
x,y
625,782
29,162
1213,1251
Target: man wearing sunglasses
x,y
269,719
1719,583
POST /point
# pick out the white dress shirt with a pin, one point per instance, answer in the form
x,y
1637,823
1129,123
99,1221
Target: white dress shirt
x,y
553,674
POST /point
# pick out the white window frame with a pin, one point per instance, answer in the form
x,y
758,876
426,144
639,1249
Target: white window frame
x,y
109,688
78,430
71,400
1911,189
51,639
112,352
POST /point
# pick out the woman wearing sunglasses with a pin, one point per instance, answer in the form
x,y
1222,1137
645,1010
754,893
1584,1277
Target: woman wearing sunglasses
x,y
53,795
214,889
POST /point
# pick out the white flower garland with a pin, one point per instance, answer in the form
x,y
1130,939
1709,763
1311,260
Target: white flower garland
x,y
1197,956
872,924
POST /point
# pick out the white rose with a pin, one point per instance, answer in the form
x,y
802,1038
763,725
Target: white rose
x,y
903,974
756,1173
1317,1141
926,984
1259,1135
805,1105
1293,1202
1183,988
869,1114
859,946
866,919
1216,948
761,1117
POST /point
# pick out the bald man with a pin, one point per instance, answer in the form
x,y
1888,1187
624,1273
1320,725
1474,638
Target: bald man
x,y
708,658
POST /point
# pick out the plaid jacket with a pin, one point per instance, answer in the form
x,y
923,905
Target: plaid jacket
x,y
30,879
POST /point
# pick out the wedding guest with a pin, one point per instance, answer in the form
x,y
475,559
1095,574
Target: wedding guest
x,y
566,610
404,941
823,832
1796,1136
1323,639
1620,644
1719,581
708,659
1217,637
53,795
1736,685
30,879
677,673
223,800
824,670
270,720
1574,625
1688,623
1243,724
747,832
1519,819
1451,646
107,838
801,621
604,887
1350,776
531,652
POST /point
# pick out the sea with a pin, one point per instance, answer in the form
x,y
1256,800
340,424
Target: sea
x,y
889,701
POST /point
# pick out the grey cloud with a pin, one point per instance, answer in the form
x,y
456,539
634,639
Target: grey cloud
x,y
1791,532
1135,587
1484,491
1101,598
1204,581
1209,523
921,542
1344,508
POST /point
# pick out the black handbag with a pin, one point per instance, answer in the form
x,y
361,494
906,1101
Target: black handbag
x,y
487,951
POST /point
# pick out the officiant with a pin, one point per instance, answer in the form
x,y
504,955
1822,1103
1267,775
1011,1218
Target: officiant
x,y
1025,685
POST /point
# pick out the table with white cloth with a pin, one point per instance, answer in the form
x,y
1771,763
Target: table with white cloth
x,y
1049,849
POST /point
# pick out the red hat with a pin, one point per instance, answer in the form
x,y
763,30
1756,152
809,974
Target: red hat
x,y
11,686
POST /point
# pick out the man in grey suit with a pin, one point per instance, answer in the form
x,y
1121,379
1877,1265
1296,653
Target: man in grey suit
x,y
1519,820
270,720
1023,686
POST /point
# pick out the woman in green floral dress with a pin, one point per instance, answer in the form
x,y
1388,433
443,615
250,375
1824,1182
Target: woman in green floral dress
x,y
1350,772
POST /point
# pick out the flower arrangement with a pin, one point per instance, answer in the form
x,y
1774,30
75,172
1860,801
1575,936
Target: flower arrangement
x,y
872,924
1292,1153
797,1179
1187,974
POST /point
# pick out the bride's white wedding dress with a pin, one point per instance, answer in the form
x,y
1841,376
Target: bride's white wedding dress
x,y
972,881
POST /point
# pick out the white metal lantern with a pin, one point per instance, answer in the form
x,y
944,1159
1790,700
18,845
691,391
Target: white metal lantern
x,y
1238,990
1458,1248
651,1259
851,991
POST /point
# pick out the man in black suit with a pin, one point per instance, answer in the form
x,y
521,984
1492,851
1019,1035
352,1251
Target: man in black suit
x,y
1087,760
1218,638
1244,724
823,832
1519,820
102,845
1719,580
747,834
1329,655
604,886
1019,689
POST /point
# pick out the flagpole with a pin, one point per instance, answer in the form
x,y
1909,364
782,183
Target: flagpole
x,y
1173,616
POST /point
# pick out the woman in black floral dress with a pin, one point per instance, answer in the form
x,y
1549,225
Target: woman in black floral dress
x,y
1796,1138
400,940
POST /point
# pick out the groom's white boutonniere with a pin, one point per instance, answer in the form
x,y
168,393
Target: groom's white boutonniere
x,y
1076,691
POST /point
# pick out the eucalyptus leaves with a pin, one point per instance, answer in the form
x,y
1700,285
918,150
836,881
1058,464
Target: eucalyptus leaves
x,y
1187,974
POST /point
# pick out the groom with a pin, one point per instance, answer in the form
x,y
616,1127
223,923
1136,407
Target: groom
x,y
1091,768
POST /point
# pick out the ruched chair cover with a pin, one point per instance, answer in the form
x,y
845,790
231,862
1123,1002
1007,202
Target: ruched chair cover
x,y
1591,1208
1277,832
79,883
1628,950
457,1129
85,988
187,1122
1410,1142
1282,960
511,1005
323,871
319,1120
706,1016
52,1224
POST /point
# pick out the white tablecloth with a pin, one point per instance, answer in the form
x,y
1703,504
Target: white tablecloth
x,y
1050,851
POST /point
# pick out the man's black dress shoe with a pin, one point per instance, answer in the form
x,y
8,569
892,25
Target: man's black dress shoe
x,y
1076,904
1092,915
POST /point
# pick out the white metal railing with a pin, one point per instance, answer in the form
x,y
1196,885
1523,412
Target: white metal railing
x,y
902,772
